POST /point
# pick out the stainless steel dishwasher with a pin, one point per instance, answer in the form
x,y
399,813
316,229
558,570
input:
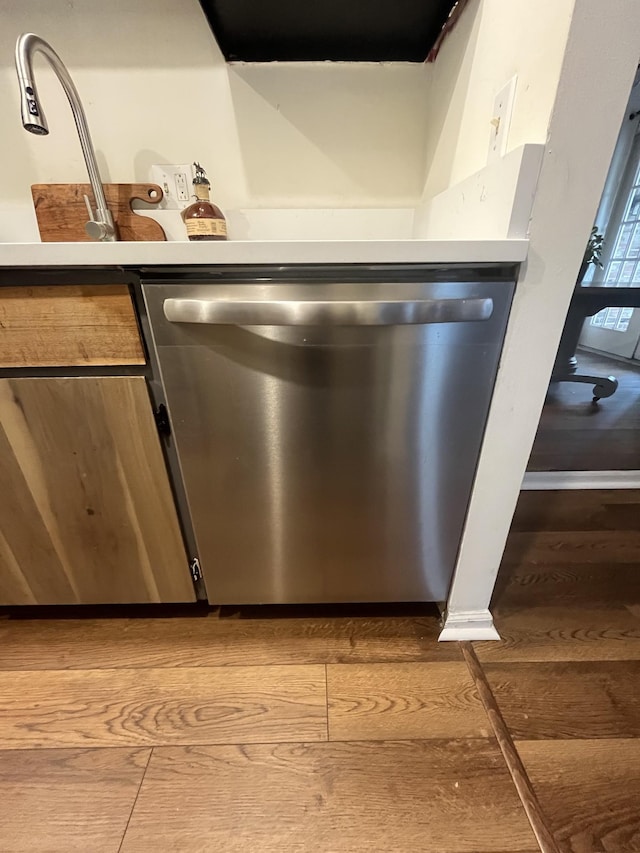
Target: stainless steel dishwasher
x,y
327,432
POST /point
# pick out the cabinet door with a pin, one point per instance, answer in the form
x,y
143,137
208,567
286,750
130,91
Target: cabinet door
x,y
86,510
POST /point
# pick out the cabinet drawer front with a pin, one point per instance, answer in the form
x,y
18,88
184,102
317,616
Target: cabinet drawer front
x,y
75,325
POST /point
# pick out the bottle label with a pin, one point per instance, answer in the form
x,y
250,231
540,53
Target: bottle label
x,y
206,228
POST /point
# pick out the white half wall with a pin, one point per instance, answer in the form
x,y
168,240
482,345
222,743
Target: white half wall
x,y
492,204
599,67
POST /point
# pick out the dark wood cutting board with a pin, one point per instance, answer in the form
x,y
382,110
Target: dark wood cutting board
x,y
61,211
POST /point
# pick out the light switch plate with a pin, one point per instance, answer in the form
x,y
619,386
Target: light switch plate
x,y
177,184
501,120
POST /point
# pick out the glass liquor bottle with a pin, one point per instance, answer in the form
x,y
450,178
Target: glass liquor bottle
x,y
203,219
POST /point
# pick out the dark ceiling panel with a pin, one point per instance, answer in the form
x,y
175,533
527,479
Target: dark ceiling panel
x,y
347,30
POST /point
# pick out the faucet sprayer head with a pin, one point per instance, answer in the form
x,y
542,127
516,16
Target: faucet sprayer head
x,y
33,118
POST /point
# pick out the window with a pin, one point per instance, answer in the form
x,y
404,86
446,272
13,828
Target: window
x,y
622,268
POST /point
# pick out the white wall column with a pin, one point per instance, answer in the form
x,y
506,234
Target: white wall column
x,y
600,61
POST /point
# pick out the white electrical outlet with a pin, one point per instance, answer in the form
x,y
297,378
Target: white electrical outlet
x,y
177,184
181,186
501,119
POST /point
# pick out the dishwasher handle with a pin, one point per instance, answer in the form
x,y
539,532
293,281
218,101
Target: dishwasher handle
x,y
334,312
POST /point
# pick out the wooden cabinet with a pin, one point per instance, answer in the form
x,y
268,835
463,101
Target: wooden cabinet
x,y
86,510
68,325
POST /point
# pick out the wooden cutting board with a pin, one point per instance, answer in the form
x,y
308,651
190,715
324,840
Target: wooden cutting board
x,y
61,211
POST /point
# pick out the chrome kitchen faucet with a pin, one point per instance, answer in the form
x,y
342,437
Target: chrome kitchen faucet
x,y
100,225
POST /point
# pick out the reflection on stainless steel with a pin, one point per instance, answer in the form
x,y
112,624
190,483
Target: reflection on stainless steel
x,y
307,312
331,461
100,225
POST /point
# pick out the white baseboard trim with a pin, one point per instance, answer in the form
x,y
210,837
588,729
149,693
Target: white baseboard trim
x,y
468,625
555,480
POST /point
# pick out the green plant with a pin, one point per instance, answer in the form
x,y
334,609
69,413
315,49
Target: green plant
x,y
593,252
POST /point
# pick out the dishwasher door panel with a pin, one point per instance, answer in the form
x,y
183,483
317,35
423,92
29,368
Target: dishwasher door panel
x,y
328,463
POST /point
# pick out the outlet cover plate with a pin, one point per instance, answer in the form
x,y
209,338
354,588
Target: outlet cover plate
x,y
501,120
176,182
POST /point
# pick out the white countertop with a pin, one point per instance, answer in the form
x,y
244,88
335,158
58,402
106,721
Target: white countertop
x,y
468,252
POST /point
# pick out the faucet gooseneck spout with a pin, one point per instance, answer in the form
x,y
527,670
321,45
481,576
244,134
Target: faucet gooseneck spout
x,y
100,225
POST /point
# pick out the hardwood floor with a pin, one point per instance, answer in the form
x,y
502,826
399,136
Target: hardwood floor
x,y
570,597
213,641
232,708
566,675
549,609
147,707
590,790
575,699
396,796
574,510
574,435
403,701
338,733
67,799
560,633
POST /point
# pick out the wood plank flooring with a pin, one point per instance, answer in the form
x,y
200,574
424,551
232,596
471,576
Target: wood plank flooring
x,y
590,790
399,796
377,741
146,707
67,799
574,435
338,733
547,609
567,675
403,701
562,633
568,699
212,641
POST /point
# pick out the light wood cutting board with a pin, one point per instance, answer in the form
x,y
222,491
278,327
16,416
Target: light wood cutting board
x,y
61,211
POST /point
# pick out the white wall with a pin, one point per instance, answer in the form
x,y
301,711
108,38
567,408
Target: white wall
x,y
332,134
315,135
493,40
598,68
156,89
140,93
